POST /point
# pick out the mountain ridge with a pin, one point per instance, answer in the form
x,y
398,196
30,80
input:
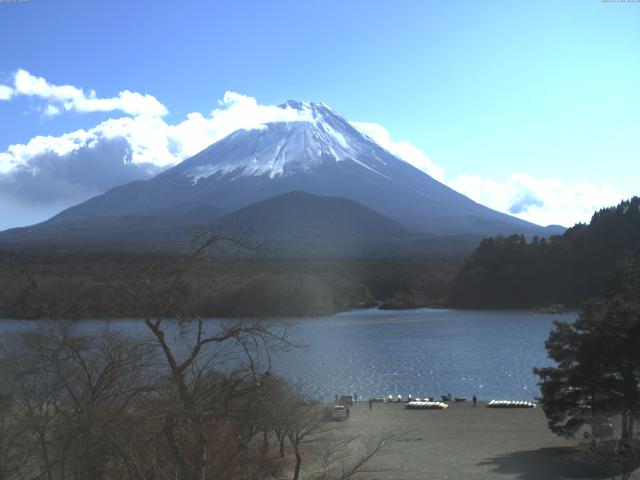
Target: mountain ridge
x,y
295,224
320,154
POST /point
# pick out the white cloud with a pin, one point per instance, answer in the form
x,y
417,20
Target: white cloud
x,y
402,149
544,201
52,181
59,171
151,139
70,98
18,155
51,111
235,112
142,142
5,92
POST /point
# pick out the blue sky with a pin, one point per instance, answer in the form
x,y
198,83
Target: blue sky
x,y
529,107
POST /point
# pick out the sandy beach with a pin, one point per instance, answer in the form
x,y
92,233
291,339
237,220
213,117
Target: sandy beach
x,y
463,442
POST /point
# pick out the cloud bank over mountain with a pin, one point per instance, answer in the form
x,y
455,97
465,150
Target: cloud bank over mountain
x,y
544,201
401,149
49,173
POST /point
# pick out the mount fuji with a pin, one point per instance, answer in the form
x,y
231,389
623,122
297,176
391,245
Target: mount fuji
x,y
320,154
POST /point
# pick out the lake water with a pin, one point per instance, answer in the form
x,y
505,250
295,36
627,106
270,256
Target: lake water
x,y
422,352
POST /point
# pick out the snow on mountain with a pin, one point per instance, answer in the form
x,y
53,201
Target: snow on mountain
x,y
315,151
287,148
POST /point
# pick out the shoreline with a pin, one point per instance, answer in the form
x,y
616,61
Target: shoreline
x,y
308,316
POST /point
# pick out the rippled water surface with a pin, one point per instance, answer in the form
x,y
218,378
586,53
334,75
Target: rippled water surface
x,y
419,352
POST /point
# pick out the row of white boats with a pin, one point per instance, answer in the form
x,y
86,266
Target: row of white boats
x,y
428,403
510,404
400,399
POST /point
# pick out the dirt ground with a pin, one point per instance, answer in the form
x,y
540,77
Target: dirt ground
x,y
463,442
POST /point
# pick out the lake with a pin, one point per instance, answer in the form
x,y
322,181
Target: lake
x,y
423,352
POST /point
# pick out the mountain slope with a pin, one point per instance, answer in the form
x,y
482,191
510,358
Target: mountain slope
x,y
294,224
323,155
299,215
299,223
320,154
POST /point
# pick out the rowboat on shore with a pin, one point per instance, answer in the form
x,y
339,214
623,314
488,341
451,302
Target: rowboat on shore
x,y
426,406
510,404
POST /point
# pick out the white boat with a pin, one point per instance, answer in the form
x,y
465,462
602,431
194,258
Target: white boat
x,y
510,404
426,406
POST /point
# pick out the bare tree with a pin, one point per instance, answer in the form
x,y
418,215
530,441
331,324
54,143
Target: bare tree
x,y
14,450
211,367
187,401
277,401
306,423
73,400
334,456
346,456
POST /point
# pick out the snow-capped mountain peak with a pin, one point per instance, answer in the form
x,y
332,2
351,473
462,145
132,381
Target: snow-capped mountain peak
x,y
318,136
309,149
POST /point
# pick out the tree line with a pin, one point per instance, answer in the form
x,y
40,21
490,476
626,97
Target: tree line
x,y
33,286
515,272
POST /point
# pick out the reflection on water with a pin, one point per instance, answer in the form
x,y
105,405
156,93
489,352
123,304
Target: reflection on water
x,y
421,352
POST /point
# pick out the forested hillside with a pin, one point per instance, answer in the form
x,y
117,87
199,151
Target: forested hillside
x,y
512,272
78,286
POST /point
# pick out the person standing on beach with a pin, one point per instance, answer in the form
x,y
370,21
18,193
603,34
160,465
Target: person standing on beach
x,y
370,404
475,400
348,412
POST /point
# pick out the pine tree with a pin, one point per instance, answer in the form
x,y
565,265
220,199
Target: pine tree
x,y
598,360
